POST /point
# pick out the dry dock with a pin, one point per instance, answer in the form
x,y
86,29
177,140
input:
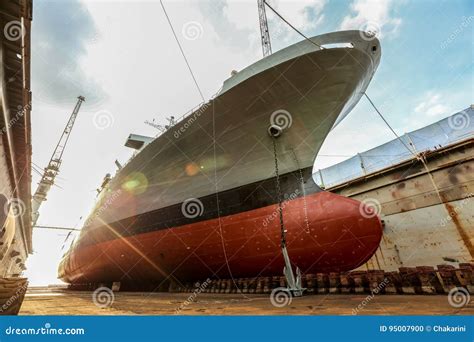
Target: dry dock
x,y
44,301
424,200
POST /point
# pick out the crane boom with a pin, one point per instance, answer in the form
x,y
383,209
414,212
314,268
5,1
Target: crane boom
x,y
264,33
51,171
57,228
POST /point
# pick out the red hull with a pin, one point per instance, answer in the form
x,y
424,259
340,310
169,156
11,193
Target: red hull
x,y
339,238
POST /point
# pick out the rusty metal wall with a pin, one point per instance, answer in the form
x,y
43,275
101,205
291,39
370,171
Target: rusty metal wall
x,y
428,210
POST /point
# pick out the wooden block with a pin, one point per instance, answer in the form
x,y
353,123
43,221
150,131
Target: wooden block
x,y
428,280
347,283
376,281
311,284
116,286
360,281
410,281
266,285
322,280
446,275
259,286
334,283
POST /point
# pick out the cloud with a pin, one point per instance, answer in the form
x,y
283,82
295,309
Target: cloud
x,y
306,16
61,32
431,106
236,23
374,14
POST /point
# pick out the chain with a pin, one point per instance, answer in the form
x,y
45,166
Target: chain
x,y
280,209
305,207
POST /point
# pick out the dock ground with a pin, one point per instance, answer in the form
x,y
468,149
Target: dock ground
x,y
51,301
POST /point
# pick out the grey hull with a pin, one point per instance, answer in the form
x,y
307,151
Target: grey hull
x,y
312,88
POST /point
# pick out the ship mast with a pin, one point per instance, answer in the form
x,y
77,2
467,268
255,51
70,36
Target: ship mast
x,y
264,33
51,171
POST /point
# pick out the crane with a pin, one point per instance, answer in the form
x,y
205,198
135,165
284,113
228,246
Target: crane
x,y
264,33
51,171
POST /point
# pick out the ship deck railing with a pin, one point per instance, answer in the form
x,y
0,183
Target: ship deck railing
x,y
178,122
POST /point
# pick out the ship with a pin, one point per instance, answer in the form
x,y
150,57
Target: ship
x,y
15,152
203,198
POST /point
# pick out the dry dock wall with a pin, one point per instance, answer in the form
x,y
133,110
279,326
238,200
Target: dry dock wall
x,y
428,211
15,138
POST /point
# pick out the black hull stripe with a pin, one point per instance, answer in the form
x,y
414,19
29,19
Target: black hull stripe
x,y
234,201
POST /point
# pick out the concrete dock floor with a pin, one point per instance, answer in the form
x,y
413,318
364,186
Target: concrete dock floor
x,y
46,301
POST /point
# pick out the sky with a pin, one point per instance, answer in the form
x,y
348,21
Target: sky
x,y
121,55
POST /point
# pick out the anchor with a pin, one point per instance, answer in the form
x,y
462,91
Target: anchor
x,y
294,285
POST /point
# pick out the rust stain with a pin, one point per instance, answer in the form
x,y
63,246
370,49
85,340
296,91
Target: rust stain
x,y
401,185
453,175
464,236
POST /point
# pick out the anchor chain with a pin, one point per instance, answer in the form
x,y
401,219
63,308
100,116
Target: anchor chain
x,y
305,206
278,187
